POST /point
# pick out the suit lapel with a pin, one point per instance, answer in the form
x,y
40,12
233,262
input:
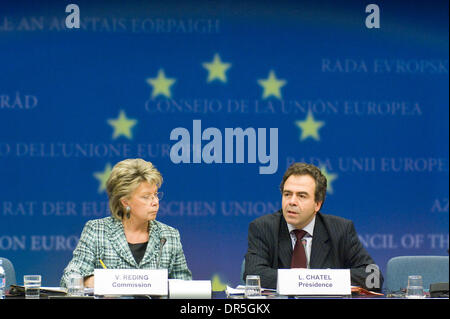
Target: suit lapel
x,y
284,245
321,244
154,242
119,242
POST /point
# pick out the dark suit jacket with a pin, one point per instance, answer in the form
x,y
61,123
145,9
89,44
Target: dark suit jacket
x,y
335,244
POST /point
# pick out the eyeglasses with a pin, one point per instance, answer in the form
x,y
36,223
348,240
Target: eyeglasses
x,y
156,196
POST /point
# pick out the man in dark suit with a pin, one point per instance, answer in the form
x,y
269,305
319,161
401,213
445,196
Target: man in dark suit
x,y
329,242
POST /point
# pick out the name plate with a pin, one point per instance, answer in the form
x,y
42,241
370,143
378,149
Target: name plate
x,y
131,282
301,281
190,289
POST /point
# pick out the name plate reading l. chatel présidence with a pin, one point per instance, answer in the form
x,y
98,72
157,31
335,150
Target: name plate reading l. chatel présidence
x,y
131,282
314,282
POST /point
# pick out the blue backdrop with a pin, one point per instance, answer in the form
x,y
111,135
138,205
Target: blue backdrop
x,y
306,81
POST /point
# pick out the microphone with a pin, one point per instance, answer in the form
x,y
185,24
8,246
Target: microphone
x,y
162,242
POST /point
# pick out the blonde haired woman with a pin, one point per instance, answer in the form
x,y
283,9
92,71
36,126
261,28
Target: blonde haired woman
x,y
130,237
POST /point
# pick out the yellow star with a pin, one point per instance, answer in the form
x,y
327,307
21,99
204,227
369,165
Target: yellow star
x,y
330,178
122,126
161,85
309,127
272,85
217,69
102,177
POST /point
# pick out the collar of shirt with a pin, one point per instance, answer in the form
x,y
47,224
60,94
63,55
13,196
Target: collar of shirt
x,y
308,228
308,238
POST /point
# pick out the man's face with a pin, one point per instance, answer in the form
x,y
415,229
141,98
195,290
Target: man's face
x,y
298,200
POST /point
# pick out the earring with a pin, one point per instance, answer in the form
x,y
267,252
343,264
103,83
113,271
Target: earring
x,y
128,210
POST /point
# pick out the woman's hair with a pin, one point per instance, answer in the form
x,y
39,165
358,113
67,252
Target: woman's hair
x,y
125,177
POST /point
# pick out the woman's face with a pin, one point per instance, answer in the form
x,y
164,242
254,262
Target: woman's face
x,y
143,202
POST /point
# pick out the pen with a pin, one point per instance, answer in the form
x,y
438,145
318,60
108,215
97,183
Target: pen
x,y
103,265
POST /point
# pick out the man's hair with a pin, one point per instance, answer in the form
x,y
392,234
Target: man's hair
x,y
299,169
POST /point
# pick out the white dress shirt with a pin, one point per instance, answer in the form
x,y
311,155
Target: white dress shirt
x,y
308,237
